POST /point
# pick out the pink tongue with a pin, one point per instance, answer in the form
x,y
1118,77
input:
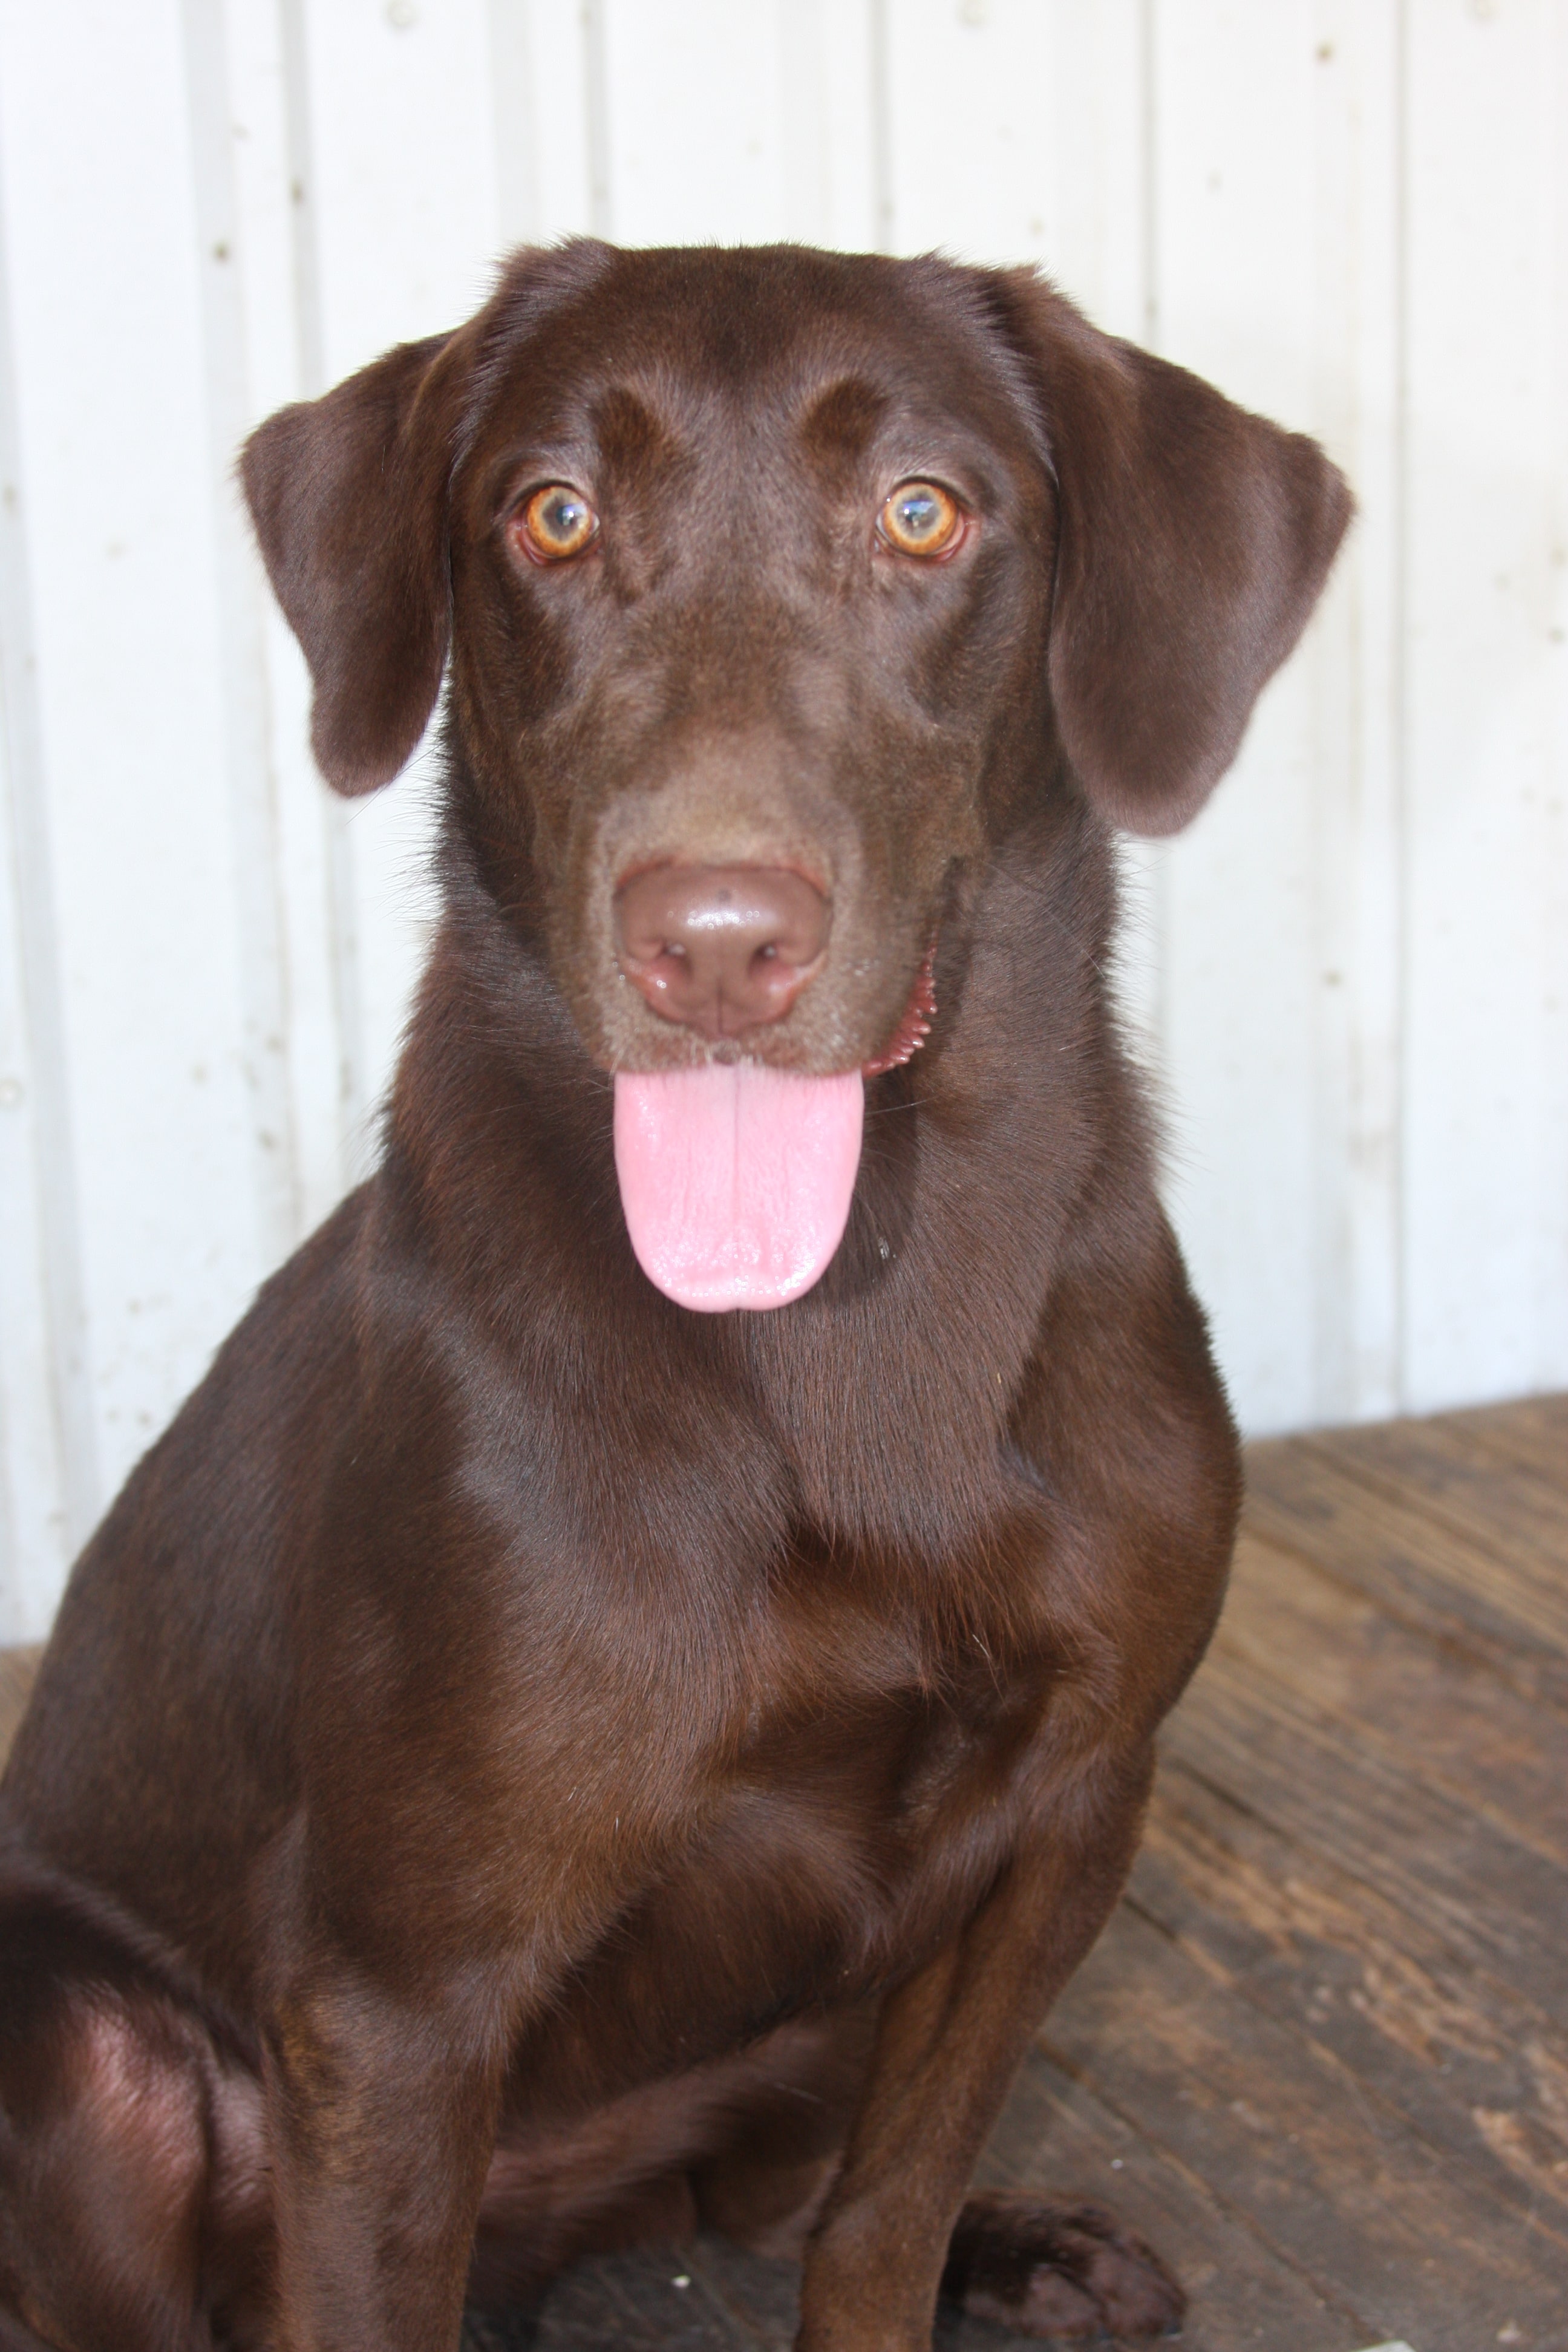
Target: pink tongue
x,y
735,1181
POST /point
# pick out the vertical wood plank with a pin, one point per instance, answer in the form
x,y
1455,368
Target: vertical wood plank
x,y
695,134
47,1467
256,881
115,475
991,194
291,344
541,62
32,1531
519,191
1099,128
1485,1194
1235,270
1275,213
1356,1369
831,104
741,125
1049,165
263,115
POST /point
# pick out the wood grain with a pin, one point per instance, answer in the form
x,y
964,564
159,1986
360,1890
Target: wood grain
x,y
1427,1708
1311,2155
1483,1597
1534,1431
1475,2069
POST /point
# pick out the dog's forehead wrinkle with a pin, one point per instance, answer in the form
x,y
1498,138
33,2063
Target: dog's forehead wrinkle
x,y
839,416
679,341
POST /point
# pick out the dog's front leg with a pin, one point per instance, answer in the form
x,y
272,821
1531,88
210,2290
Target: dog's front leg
x,y
947,2045
381,2118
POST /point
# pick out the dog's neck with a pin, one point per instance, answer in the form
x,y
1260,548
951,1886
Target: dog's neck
x,y
889,1393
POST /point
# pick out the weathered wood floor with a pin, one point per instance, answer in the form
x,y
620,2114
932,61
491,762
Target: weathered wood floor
x,y
1321,2055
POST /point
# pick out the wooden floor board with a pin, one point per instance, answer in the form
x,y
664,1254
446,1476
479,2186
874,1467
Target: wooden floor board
x,y
1512,1516
1321,2055
1533,1433
1319,2163
1323,1501
1446,1469
1058,2135
637,2302
1416,1569
1478,2075
1427,1708
1498,1903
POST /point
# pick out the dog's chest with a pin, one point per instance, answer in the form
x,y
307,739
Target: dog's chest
x,y
866,1822
866,1801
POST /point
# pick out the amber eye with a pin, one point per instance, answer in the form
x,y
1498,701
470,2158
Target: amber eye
x,y
556,522
920,519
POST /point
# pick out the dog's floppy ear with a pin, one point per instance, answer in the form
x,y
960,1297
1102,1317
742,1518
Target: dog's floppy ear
x,y
1193,539
348,495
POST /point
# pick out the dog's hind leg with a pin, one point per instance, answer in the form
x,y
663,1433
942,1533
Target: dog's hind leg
x,y
132,2195
104,2170
764,2186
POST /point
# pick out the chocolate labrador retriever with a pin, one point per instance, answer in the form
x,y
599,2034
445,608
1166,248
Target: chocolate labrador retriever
x,y
631,1686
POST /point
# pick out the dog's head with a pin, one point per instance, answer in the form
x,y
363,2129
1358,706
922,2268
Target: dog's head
x,y
775,584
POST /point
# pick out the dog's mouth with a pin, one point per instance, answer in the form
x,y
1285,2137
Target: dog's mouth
x,y
736,1179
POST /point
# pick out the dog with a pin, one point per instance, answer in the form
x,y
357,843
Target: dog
x,y
631,1684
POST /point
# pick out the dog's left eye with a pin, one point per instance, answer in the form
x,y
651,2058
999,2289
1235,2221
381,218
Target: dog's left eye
x,y
556,522
920,519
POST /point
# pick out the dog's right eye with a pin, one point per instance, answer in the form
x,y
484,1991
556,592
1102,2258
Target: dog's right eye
x,y
921,518
556,522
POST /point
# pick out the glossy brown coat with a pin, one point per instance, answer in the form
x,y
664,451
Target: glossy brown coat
x,y
516,1747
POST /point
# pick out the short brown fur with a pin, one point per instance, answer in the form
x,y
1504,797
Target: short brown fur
x,y
521,1765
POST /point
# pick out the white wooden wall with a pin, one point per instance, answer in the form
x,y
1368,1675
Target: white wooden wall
x,y
1353,976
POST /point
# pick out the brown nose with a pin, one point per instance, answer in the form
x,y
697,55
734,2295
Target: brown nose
x,y
720,947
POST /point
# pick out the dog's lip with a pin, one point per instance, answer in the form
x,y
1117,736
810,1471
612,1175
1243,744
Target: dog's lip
x,y
914,1023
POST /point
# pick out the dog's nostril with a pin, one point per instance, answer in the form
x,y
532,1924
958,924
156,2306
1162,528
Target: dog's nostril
x,y
721,948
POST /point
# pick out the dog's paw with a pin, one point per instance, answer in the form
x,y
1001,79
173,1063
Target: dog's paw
x,y
1066,2271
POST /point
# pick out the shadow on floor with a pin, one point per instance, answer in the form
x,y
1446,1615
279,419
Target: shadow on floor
x,y
709,2297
